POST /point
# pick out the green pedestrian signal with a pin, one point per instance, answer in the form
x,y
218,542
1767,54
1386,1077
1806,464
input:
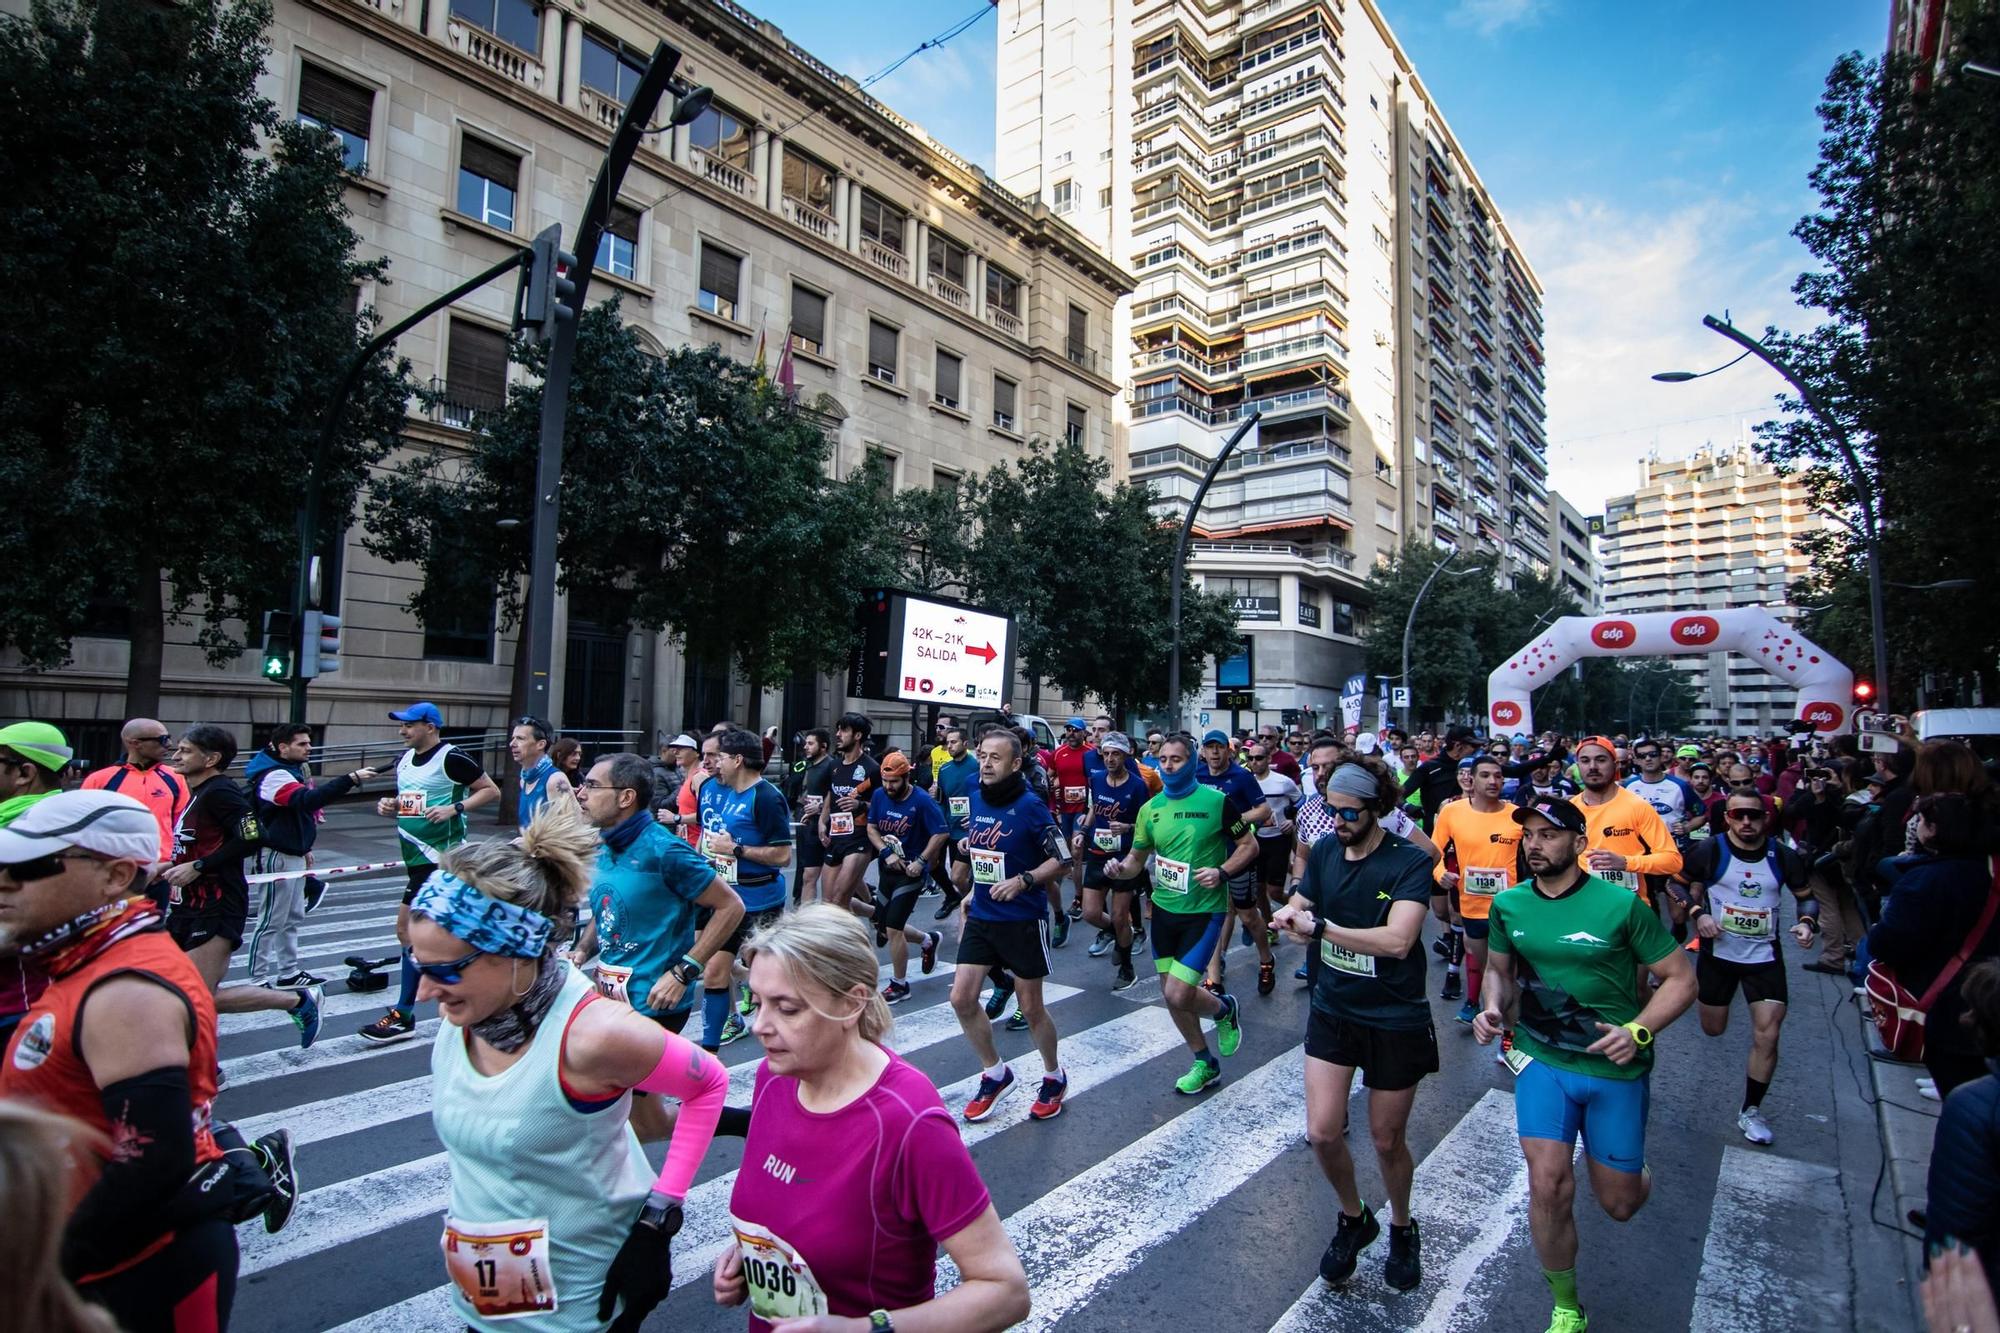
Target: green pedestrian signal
x,y
276,667
275,661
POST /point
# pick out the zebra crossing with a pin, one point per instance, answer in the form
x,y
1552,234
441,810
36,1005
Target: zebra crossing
x,y
1137,1205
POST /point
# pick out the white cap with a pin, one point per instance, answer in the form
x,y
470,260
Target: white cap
x,y
107,823
1366,743
683,742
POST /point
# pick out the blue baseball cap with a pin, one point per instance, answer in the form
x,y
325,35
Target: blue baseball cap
x,y
1074,724
419,713
1215,736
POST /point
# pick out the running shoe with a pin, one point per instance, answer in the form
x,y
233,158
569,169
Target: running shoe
x,y
1139,934
1350,1238
274,1153
1102,944
996,1000
746,1002
1200,1077
1454,988
1017,1021
1302,974
1213,985
1441,949
1270,937
733,1029
1076,910
306,1015
928,960
296,980
396,1025
1049,1101
1126,978
1465,1013
990,1092
314,891
881,936
896,992
1754,1126
952,898
1267,978
1568,1321
1404,1268
1061,936
1228,1027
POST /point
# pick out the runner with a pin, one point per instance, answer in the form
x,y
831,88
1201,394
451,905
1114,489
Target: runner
x,y
1017,852
1151,759
686,752
1274,859
1734,881
146,776
951,787
288,806
554,1212
747,838
1566,948
1629,844
124,1036
852,1237
1362,907
1217,768
208,896
853,775
1481,845
813,769
1666,791
32,758
541,781
908,833
1200,840
1105,833
1069,775
436,784
1435,779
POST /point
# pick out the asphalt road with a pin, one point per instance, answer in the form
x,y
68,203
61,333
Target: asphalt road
x,y
1138,1207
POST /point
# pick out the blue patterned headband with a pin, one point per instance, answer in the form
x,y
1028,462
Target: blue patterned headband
x,y
487,924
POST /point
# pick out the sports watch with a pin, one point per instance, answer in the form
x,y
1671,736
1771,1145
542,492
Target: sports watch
x,y
878,1322
689,972
1642,1036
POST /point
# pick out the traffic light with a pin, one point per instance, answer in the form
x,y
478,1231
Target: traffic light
x,y
275,657
1864,693
319,645
541,302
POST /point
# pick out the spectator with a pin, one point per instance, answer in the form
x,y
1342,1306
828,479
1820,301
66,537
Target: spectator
x,y
147,777
670,771
288,804
1882,832
1964,1191
1816,807
35,1148
1935,907
567,755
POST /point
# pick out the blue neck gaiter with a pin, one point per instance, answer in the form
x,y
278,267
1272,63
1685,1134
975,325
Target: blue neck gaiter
x,y
1179,782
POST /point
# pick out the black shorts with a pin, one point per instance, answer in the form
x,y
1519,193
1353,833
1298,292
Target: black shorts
x,y
841,848
955,853
1095,878
1022,947
899,897
191,1283
1244,889
1392,1058
1716,980
1274,858
221,918
811,851
419,876
751,923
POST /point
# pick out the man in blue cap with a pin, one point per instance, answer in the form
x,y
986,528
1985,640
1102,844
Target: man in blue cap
x,y
436,784
1069,783
1219,769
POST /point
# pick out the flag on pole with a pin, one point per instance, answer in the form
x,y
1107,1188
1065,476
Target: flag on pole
x,y
758,364
788,380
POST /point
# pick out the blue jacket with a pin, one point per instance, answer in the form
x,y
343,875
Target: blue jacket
x,y
1924,922
291,825
1965,1171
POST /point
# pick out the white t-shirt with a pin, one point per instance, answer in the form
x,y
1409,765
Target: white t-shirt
x,y
1281,794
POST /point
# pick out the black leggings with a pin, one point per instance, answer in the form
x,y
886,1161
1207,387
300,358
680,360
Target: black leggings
x,y
188,1287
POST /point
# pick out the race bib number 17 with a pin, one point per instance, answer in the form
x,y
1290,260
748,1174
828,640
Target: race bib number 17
x,y
501,1268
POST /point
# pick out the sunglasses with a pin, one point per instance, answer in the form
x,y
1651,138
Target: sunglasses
x,y
42,867
1744,814
448,974
1347,814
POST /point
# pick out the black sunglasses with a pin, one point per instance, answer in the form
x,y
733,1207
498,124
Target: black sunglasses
x,y
42,867
1744,814
448,974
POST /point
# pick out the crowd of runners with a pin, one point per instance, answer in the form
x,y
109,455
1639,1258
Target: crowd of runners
x,y
1576,895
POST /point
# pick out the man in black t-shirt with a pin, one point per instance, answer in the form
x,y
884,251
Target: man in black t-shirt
x,y
810,774
1360,912
852,778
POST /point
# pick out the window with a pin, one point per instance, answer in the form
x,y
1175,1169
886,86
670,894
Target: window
x,y
949,260
343,109
487,179
948,367
882,342
1079,336
881,223
944,482
1308,608
1003,402
722,135
515,22
475,372
808,181
721,280
1343,618
618,247
808,320
458,605
1104,197
609,68
1250,598
1076,425
1003,291
1063,196
878,457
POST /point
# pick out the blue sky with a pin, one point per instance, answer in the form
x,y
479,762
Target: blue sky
x,y
1651,159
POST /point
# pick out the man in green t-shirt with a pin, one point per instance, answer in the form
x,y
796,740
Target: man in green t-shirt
x,y
1199,839
1566,949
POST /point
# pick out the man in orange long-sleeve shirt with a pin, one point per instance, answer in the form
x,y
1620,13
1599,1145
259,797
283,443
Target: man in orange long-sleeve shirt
x,y
1629,843
1481,844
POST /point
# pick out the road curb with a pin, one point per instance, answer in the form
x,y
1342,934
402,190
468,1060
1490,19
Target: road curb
x,y
1907,1124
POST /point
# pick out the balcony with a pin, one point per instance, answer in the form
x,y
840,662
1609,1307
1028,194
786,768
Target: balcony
x,y
482,48
802,214
948,291
1300,400
725,174
1079,355
881,256
1003,320
1447,474
1444,518
606,111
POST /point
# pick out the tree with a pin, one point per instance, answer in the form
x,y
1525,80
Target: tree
x,y
1907,239
1449,653
183,278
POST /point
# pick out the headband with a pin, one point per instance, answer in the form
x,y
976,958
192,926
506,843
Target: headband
x,y
1353,780
487,924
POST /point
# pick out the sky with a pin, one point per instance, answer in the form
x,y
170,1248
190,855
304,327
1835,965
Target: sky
x,y
1651,160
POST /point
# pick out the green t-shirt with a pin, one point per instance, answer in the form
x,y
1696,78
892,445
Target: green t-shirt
x,y
14,807
1196,832
1576,962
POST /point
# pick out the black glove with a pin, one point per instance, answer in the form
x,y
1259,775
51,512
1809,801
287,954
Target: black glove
x,y
642,1272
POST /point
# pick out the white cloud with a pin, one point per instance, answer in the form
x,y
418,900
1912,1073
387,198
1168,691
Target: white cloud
x,y
1624,294
1488,17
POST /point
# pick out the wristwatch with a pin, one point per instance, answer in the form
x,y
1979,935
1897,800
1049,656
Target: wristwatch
x,y
459,806
689,972
662,1214
878,1322
1642,1036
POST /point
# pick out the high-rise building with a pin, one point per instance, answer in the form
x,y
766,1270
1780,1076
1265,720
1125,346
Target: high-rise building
x,y
1576,571
1311,243
1720,528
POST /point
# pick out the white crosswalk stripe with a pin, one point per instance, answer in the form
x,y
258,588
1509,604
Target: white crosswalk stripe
x,y
1775,1242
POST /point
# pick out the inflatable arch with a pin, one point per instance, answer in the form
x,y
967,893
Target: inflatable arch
x,y
1825,684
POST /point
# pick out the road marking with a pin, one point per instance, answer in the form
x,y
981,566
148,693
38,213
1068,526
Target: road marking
x,y
247,1069
1099,1224
1754,1261
1093,1058
333,1006
1470,1200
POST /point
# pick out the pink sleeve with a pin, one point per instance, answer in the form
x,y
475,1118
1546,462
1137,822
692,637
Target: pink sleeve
x,y
699,1082
939,1187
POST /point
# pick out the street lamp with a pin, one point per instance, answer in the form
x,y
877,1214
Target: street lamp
x,y
1410,625
1180,558
1864,490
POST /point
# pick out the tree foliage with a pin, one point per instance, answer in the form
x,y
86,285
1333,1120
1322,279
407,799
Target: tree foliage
x,y
184,286
1907,244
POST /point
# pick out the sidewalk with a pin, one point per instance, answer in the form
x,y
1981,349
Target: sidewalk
x,y
1908,1125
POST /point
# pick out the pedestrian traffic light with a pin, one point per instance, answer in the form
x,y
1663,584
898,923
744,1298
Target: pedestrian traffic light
x,y
319,645
541,302
275,656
